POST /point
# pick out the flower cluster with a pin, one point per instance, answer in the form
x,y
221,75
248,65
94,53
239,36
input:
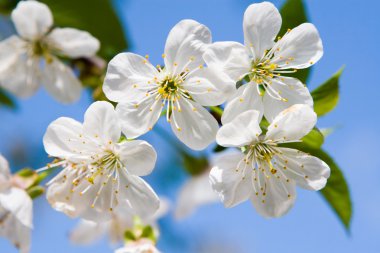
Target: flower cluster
x,y
102,163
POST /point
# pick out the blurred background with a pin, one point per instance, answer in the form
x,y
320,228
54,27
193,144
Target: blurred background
x,y
351,37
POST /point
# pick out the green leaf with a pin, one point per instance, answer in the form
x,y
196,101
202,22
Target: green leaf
x,y
314,139
6,100
148,233
194,165
326,96
336,191
95,16
293,14
35,191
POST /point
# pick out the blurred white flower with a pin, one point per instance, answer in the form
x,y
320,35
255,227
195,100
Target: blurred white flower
x,y
100,173
30,59
183,85
16,210
265,172
141,246
87,232
196,191
265,61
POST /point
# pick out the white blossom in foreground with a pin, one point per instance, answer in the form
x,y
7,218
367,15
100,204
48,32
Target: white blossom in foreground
x,y
16,210
264,61
265,172
30,59
141,246
196,192
182,87
87,232
99,172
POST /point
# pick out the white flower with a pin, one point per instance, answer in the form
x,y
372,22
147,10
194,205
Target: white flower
x,y
87,232
16,210
30,59
100,173
183,85
264,61
196,192
141,246
267,173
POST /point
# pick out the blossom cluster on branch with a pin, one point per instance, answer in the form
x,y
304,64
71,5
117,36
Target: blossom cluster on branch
x,y
240,96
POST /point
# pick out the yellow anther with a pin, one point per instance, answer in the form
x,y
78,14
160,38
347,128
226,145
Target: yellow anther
x,y
179,129
163,55
146,56
136,105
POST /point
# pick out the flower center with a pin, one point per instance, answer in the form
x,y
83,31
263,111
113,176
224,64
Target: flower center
x,y
263,72
262,152
108,163
40,48
168,87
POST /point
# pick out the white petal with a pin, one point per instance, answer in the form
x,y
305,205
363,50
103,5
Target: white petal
x,y
5,173
88,200
193,124
308,171
185,45
245,98
64,137
231,180
19,204
138,195
32,19
208,87
290,89
243,130
10,49
72,42
16,232
276,201
87,232
261,24
196,191
101,123
23,77
127,76
231,58
61,82
140,117
292,124
139,157
300,48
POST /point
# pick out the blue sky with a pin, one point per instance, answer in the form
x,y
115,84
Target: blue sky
x,y
350,34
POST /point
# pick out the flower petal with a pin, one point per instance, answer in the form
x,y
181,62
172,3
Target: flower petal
x,y
292,124
5,173
10,49
19,204
231,180
308,171
245,98
261,24
278,199
185,45
196,192
23,77
73,43
208,87
138,195
243,130
139,157
290,89
193,124
230,58
32,19
63,138
61,82
138,118
87,232
101,123
16,232
128,76
300,48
